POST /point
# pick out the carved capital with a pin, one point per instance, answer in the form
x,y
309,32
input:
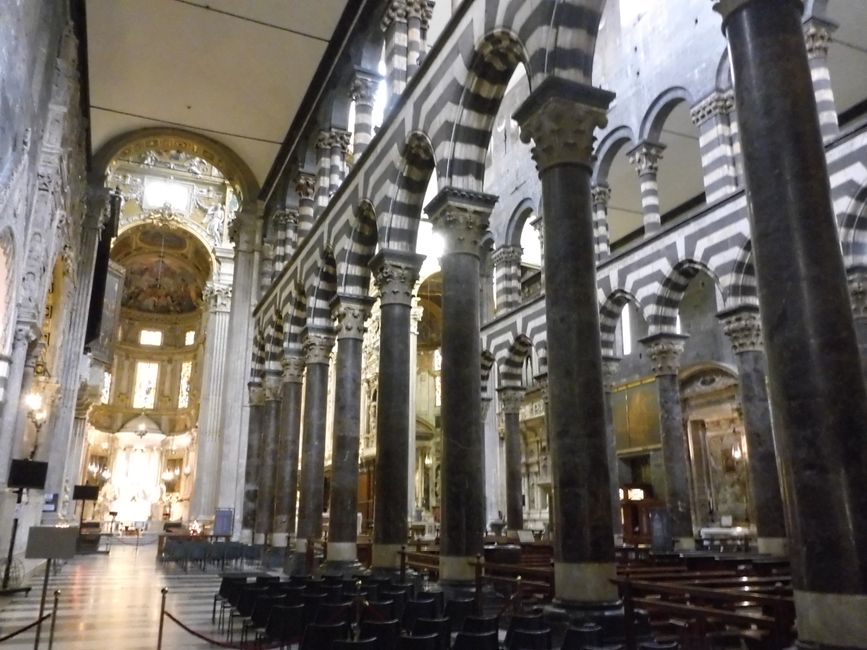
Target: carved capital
x,y
218,297
646,156
664,350
714,105
362,90
817,36
305,185
510,399
542,383
507,256
461,218
395,11
334,139
857,280
351,313
610,366
293,370
24,334
560,117
395,275
601,194
317,346
743,327
726,7
257,393
243,230
272,386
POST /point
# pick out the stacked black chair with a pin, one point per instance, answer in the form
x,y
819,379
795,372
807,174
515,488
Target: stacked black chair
x,y
412,642
334,613
243,609
260,615
386,632
478,624
578,637
320,636
456,610
418,609
378,610
531,622
530,639
659,645
476,641
227,584
285,626
292,592
399,596
360,644
312,602
439,626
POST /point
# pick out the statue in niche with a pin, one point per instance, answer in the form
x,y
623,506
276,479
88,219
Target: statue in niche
x,y
215,220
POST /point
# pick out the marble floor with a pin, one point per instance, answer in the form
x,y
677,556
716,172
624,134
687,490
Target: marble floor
x,y
113,601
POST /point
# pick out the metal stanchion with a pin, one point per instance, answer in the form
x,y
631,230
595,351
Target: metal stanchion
x,y
163,591
42,603
53,619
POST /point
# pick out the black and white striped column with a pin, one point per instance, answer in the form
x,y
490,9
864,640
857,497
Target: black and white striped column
x,y
601,195
305,186
712,116
280,221
323,172
337,171
645,158
744,328
266,266
363,93
394,24
507,277
414,14
817,36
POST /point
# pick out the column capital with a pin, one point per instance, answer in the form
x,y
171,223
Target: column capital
x,y
217,296
243,230
98,207
857,280
715,104
272,385
317,345
646,156
510,398
25,333
257,393
743,327
334,139
507,255
461,217
351,314
542,383
395,11
305,185
293,369
416,313
610,366
486,404
817,36
395,274
285,217
600,194
362,88
560,117
664,350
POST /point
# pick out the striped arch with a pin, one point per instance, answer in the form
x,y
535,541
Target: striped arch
x,y
607,150
663,315
660,109
519,217
487,363
321,292
494,61
512,365
743,288
274,346
609,316
295,322
400,211
853,230
353,271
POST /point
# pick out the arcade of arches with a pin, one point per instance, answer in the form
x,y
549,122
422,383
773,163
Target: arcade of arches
x,y
510,273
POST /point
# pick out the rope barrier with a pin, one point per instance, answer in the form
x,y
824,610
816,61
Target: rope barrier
x,y
221,644
25,628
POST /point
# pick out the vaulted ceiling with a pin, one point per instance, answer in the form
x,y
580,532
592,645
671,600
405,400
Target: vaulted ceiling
x,y
233,70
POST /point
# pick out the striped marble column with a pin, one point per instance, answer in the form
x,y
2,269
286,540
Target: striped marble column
x,y
394,24
817,36
426,16
337,170
507,277
645,158
712,117
280,223
292,220
305,186
266,267
323,172
363,93
414,14
601,194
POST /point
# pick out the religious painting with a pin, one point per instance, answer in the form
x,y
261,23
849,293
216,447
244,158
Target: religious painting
x,y
161,285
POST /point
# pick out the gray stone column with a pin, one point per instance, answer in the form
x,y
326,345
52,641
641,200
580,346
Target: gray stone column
x,y
244,231
510,402
351,313
645,158
203,501
317,350
857,278
461,218
507,277
251,468
609,371
363,93
744,329
395,274
265,496
560,117
664,350
289,441
817,389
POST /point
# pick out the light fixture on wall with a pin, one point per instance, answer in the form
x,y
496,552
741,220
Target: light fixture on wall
x,y
37,415
737,452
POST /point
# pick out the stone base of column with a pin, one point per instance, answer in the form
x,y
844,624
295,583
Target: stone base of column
x,y
684,543
457,569
385,556
246,536
831,621
279,540
585,583
777,546
259,538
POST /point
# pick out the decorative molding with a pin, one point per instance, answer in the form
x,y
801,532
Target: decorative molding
x,y
218,297
257,394
857,280
395,275
461,217
743,327
664,351
507,256
396,11
317,346
305,185
610,366
510,399
273,387
351,314
601,195
645,157
293,369
713,105
362,89
817,36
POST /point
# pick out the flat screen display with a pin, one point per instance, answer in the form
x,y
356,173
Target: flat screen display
x,y
28,474
85,493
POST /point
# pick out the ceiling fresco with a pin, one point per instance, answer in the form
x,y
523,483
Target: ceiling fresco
x,y
161,285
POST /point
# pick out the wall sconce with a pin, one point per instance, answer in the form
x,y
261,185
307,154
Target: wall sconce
x,y
37,415
737,452
188,470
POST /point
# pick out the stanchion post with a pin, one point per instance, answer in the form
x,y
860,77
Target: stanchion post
x,y
628,613
163,591
309,556
53,619
519,605
403,564
478,594
42,603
